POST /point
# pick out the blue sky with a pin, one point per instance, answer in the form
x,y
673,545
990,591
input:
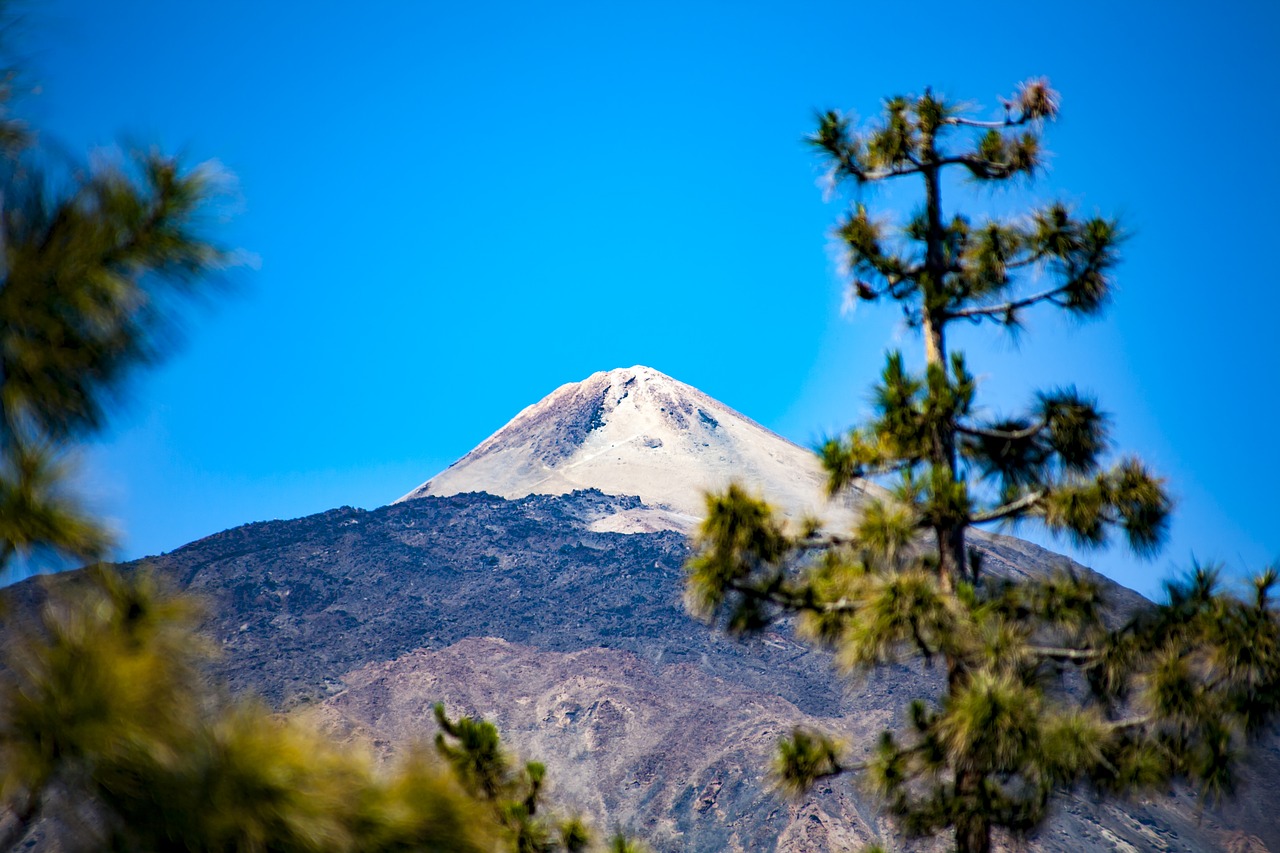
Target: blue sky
x,y
458,207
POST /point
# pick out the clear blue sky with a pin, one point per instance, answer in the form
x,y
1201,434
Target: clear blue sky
x,y
458,207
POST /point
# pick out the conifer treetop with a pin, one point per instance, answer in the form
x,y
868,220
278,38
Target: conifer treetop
x,y
1176,692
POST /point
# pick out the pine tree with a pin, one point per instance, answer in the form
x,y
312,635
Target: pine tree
x,y
474,750
1174,692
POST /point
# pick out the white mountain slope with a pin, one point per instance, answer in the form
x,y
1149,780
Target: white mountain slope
x,y
636,431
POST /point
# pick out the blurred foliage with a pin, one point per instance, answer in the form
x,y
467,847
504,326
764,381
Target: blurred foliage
x,y
514,794
106,706
95,264
1041,693
112,734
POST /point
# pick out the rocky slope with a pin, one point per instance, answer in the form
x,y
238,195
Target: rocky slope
x,y
534,610
576,643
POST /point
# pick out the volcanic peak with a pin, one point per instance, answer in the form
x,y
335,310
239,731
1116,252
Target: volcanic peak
x,y
637,431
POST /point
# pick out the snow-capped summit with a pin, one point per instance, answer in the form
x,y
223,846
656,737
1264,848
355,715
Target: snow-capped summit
x,y
636,431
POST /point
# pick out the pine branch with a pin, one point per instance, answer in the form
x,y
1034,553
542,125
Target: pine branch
x,y
1033,258
988,170
840,770
981,312
960,267
1073,655
961,121
1130,722
824,541
881,174
793,601
882,469
1009,121
1003,435
1023,503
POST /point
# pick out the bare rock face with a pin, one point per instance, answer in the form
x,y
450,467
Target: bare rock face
x,y
679,754
636,431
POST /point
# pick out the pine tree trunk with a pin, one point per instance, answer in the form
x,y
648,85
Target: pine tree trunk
x,y
973,834
951,549
972,828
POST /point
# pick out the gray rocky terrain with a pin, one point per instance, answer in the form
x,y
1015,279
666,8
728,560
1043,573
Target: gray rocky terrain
x,y
571,636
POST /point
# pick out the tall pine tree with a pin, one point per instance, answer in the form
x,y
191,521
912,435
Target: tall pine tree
x,y
1173,693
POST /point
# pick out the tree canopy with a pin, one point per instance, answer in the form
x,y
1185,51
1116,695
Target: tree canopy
x,y
1044,691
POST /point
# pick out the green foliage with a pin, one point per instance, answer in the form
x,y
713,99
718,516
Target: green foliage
x,y
38,512
474,750
622,844
104,702
804,758
105,705
84,284
1041,692
93,267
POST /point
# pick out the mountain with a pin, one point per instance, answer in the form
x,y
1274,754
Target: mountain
x,y
530,608
639,432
